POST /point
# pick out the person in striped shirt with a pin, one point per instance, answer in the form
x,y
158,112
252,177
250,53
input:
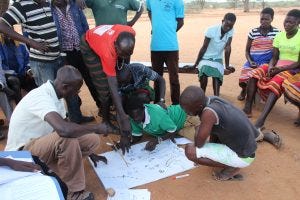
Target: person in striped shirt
x,y
259,48
36,18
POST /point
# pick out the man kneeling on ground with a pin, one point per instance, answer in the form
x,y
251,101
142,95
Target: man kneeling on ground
x,y
37,125
231,135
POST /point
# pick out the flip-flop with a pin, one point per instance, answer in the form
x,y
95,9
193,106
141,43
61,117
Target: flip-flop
x,y
260,137
278,142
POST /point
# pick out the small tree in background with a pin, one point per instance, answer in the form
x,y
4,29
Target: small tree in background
x,y
233,3
201,3
246,5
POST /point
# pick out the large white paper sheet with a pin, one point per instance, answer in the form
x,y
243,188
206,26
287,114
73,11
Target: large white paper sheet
x,y
35,187
7,174
143,166
133,194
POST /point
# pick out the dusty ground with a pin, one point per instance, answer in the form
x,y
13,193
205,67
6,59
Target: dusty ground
x,y
274,174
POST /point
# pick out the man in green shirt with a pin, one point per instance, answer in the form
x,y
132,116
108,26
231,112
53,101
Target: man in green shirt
x,y
154,120
110,12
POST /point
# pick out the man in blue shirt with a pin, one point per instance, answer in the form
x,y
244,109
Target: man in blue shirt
x,y
15,64
134,80
166,19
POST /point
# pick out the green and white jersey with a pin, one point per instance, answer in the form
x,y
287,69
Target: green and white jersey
x,y
159,121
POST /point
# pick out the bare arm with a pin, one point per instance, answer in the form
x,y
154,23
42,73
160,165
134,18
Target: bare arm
x,y
136,16
275,57
208,119
124,119
227,52
180,22
275,70
202,51
247,53
10,32
73,130
19,165
149,15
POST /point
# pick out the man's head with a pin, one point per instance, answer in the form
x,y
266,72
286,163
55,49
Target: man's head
x,y
266,17
124,76
292,21
135,109
228,22
193,100
68,81
124,45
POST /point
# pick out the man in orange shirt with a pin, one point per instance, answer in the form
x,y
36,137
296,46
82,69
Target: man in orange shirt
x,y
101,47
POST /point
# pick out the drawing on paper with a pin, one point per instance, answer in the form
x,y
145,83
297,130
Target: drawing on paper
x,y
143,166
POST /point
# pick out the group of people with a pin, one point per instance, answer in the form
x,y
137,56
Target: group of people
x,y
64,52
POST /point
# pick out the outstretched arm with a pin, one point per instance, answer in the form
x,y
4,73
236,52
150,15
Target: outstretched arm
x,y
19,165
73,130
227,52
202,51
123,119
10,32
136,16
208,119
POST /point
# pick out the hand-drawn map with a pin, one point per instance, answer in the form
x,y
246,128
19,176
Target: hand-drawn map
x,y
143,166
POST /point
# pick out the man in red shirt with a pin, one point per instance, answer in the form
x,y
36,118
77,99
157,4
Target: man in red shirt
x,y
101,47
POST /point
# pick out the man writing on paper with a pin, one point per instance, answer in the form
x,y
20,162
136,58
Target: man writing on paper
x,y
37,125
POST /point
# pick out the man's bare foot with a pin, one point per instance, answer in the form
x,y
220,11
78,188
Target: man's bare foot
x,y
229,173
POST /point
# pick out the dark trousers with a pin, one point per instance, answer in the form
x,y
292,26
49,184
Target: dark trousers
x,y
74,58
170,58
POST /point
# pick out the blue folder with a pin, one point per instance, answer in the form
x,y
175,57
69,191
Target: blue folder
x,y
27,154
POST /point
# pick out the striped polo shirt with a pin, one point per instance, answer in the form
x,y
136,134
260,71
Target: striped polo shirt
x,y
38,22
262,43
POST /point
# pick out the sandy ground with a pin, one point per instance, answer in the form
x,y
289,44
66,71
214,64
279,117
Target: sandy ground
x,y
274,174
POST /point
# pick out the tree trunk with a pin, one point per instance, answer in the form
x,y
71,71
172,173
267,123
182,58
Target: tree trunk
x,y
246,5
3,6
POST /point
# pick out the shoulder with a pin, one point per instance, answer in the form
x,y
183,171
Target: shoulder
x,y
154,108
214,27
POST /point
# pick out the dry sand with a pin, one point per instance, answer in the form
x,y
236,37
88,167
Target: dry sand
x,y
274,174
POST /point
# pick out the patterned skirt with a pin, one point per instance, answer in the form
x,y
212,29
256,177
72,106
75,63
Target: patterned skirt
x,y
94,66
292,89
266,85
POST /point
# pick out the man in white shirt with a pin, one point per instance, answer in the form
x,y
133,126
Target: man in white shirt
x,y
37,125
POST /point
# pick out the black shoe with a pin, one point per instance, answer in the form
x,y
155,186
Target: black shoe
x,y
86,119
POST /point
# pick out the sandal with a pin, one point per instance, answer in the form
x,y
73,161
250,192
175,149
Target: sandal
x,y
278,140
237,177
